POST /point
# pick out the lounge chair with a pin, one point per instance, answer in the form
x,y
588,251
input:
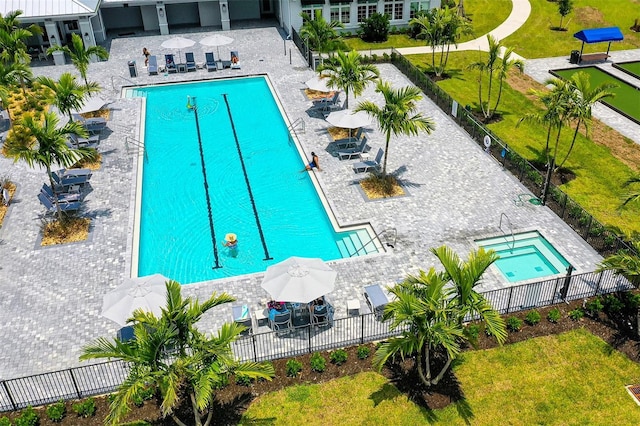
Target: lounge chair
x,y
369,165
65,206
73,173
190,61
210,61
64,181
153,65
170,63
349,154
241,315
320,103
62,196
235,60
93,125
376,299
76,141
349,142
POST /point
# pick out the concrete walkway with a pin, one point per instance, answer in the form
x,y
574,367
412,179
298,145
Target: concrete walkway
x,y
520,12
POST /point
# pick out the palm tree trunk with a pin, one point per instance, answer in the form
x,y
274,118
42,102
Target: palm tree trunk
x,y
196,411
55,194
386,153
444,370
422,365
177,420
546,148
488,114
346,92
573,141
480,92
495,108
209,417
555,148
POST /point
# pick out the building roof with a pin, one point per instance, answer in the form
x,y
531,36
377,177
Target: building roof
x,y
598,35
49,8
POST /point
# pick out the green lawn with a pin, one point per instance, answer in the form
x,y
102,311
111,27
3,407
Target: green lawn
x,y
485,15
535,39
631,67
599,175
627,97
570,379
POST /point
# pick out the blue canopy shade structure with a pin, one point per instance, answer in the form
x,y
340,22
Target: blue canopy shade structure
x,y
599,35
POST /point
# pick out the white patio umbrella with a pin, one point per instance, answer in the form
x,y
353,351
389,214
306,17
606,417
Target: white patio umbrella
x,y
216,40
94,103
318,84
177,43
148,293
299,280
347,119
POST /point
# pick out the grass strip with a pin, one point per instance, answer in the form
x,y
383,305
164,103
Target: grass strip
x,y
572,378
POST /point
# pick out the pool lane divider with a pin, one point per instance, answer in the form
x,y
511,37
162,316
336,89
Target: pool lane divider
x,y
191,104
246,179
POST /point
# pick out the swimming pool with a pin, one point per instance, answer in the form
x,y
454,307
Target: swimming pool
x,y
525,256
240,174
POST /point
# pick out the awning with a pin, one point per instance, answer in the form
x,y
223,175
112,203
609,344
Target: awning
x,y
599,35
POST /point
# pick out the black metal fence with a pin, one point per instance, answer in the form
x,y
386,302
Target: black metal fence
x,y
593,232
105,377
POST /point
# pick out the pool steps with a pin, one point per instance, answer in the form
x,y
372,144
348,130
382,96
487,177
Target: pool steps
x,y
351,244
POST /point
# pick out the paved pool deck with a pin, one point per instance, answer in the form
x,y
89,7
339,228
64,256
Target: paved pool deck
x,y
52,297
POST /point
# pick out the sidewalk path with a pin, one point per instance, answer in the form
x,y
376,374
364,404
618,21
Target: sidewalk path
x,y
519,15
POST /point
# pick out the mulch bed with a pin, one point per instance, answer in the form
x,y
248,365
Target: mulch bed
x,y
233,400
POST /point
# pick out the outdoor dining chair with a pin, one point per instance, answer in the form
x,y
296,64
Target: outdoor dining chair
x,y
281,321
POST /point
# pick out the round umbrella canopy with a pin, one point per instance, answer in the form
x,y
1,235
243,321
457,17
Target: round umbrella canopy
x,y
148,293
347,119
299,280
216,40
177,43
94,103
318,84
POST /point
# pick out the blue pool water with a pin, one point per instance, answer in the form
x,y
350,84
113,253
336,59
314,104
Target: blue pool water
x,y
175,232
525,256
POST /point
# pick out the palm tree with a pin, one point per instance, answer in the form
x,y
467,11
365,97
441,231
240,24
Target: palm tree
x,y
441,27
169,354
585,98
49,146
398,116
432,307
347,72
320,34
80,56
13,36
66,94
494,65
634,196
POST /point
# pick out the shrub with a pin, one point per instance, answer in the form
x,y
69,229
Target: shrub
x,y
593,307
27,418
514,324
554,315
4,421
472,331
576,314
338,357
376,28
86,408
56,411
222,383
532,318
293,367
318,363
243,380
363,352
612,305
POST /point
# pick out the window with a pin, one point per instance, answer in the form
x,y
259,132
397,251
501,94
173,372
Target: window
x,y
393,9
417,6
311,11
366,10
341,13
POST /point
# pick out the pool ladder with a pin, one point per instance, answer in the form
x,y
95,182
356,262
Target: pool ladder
x,y
133,145
508,221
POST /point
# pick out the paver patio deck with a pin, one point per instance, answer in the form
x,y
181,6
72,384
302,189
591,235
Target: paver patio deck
x,y
52,296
